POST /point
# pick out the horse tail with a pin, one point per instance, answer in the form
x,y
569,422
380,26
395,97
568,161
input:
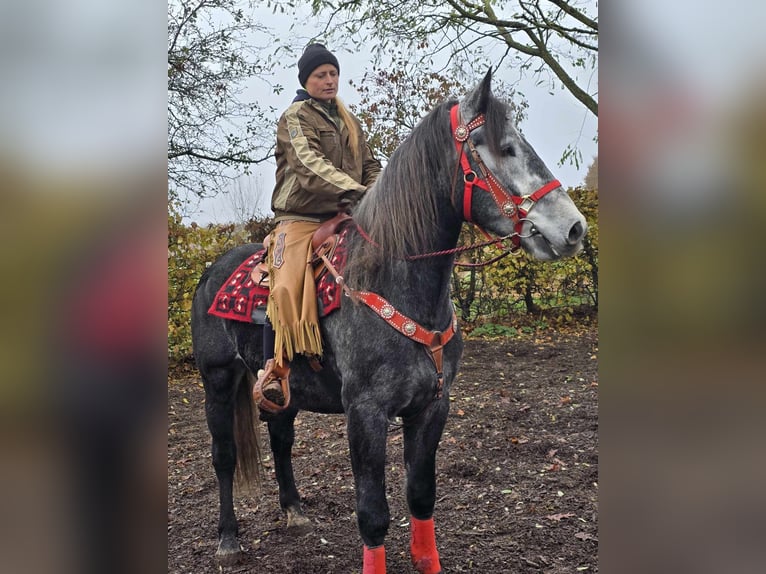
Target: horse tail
x,y
247,437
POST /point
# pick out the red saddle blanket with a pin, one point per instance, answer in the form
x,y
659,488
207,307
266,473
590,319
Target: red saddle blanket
x,y
240,296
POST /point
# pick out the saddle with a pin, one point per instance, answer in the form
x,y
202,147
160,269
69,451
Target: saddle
x,y
329,230
324,241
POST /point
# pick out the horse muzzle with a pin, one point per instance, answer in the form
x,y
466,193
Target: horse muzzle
x,y
550,242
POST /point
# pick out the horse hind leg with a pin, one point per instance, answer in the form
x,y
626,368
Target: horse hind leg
x,y
221,388
281,439
421,439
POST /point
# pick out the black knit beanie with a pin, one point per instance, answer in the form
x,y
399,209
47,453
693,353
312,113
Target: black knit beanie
x,y
314,56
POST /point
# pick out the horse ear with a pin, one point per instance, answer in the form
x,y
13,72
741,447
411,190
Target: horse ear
x,y
485,91
478,99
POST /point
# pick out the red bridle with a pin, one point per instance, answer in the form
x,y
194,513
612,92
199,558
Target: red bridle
x,y
515,208
511,206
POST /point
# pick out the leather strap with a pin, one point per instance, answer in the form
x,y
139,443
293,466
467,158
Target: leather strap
x,y
511,206
433,341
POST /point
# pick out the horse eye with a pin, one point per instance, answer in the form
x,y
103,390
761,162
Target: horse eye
x,y
509,151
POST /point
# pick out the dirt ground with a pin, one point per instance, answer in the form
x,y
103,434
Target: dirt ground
x,y
517,474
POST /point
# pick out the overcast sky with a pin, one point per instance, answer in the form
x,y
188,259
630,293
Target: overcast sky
x,y
554,120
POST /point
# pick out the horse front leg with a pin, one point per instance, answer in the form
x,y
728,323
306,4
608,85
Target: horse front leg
x,y
367,428
421,439
282,438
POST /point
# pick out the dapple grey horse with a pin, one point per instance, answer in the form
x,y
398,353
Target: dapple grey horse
x,y
394,347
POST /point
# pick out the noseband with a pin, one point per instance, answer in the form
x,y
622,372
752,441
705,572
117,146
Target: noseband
x,y
511,206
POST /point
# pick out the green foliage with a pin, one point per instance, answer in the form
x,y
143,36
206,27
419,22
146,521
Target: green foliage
x,y
512,297
519,285
191,249
494,330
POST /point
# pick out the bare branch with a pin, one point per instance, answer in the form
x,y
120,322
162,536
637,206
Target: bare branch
x,y
557,34
575,13
211,132
227,159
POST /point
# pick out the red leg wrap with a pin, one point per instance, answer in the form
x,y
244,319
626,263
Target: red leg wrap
x,y
425,558
374,560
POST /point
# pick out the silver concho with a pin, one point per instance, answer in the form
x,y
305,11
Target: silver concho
x,y
509,208
461,133
409,328
387,311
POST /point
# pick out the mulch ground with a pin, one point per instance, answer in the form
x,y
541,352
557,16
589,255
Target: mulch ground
x,y
517,474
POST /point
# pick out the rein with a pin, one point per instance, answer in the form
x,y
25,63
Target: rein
x,y
492,241
513,207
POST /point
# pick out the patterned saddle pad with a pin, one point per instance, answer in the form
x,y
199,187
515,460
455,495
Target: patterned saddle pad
x,y
242,299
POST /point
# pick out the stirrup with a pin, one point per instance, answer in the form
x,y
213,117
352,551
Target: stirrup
x,y
271,391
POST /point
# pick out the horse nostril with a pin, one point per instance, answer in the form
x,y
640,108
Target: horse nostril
x,y
576,233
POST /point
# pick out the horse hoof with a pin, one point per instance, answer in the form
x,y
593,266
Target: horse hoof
x,y
299,529
298,524
228,555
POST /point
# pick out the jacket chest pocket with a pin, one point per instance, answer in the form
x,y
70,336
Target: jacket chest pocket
x,y
328,140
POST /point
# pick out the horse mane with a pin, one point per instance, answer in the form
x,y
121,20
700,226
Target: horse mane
x,y
399,213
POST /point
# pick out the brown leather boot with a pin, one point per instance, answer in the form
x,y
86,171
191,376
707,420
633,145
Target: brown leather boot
x,y
271,391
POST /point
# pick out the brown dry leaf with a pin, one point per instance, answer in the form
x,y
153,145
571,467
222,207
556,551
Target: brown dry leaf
x,y
585,536
559,516
565,400
460,412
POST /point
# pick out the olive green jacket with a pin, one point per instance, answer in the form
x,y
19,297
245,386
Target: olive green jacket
x,y
315,167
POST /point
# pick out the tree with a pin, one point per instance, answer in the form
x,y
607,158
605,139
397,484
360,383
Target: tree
x,y
212,134
396,97
245,198
591,178
555,40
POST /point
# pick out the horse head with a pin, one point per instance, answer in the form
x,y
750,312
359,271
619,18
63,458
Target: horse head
x,y
517,192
